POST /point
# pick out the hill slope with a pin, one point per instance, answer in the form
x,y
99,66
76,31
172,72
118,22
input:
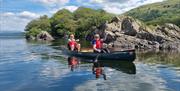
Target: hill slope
x,y
158,13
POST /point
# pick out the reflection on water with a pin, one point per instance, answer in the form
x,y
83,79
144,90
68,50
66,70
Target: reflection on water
x,y
99,66
73,63
98,70
161,57
40,66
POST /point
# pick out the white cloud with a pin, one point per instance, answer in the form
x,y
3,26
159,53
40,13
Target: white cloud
x,y
51,2
70,8
7,14
15,21
27,14
97,1
121,6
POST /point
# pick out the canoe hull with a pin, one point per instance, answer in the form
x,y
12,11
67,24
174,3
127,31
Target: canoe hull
x,y
127,55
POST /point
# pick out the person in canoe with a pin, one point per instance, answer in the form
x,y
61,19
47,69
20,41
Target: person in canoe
x,y
72,44
98,45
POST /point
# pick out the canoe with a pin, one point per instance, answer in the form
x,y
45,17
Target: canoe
x,y
125,55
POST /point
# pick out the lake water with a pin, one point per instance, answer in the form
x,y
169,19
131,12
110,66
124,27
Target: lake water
x,y
41,66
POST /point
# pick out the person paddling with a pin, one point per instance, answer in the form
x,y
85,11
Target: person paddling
x,y
72,44
98,45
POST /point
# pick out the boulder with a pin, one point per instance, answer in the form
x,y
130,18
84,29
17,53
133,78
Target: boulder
x,y
44,35
170,46
30,37
169,32
129,26
131,42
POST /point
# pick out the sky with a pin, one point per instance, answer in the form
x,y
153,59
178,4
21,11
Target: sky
x,y
15,14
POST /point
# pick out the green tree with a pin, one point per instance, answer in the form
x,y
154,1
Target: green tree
x,y
62,22
66,22
42,23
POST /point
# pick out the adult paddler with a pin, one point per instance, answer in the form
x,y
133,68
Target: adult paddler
x,y
98,45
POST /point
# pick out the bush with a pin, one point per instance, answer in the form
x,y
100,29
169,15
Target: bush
x,y
33,32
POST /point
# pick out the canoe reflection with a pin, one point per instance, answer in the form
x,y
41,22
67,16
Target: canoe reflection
x,y
125,67
98,67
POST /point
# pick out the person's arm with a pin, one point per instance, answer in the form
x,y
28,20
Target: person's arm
x,y
77,40
94,47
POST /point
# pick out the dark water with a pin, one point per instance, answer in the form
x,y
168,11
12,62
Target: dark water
x,y
32,66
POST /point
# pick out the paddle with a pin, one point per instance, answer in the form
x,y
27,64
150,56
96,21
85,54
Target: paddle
x,y
96,59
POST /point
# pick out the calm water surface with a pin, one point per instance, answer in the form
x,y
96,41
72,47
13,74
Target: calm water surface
x,y
32,66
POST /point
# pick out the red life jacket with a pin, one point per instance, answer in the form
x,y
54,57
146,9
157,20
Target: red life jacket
x,y
72,43
98,44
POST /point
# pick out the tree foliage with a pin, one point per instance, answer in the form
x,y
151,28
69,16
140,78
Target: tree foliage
x,y
42,23
66,22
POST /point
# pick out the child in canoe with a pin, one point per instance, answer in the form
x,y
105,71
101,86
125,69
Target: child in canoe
x,y
72,44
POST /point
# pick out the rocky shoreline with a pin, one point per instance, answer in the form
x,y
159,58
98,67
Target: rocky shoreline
x,y
42,36
126,32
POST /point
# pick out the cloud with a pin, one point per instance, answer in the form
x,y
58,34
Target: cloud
x,y
53,2
121,6
7,14
70,8
108,1
28,15
15,21
111,6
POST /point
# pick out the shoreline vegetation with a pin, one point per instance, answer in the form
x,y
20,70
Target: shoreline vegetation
x,y
64,22
153,26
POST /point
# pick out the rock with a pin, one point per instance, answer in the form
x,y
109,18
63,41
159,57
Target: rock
x,y
169,32
131,42
30,37
150,37
129,26
126,32
171,46
117,34
44,35
172,27
110,33
115,19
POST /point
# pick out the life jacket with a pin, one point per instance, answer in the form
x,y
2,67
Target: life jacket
x,y
98,44
72,43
